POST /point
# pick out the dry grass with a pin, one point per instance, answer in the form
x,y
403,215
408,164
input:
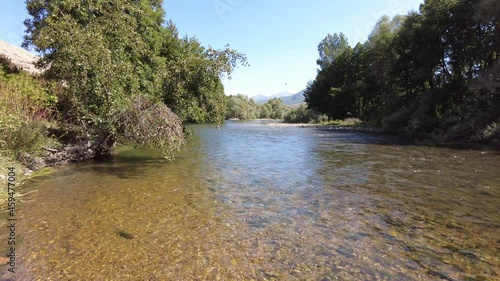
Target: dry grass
x,y
348,122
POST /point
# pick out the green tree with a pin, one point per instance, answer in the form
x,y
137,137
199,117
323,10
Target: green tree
x,y
111,56
330,47
277,107
193,88
423,72
442,52
104,52
300,114
241,107
327,93
265,111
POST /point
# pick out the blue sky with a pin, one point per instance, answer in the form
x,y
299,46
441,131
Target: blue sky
x,y
279,37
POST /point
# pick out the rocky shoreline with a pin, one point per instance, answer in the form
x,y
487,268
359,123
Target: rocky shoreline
x,y
418,140
26,164
55,157
328,126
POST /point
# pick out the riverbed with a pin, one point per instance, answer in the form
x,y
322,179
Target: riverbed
x,y
249,201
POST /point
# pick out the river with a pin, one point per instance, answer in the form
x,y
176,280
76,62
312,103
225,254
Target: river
x,y
250,201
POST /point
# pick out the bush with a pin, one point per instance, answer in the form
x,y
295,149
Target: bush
x,y
321,118
150,124
299,115
7,65
492,131
28,136
22,94
24,102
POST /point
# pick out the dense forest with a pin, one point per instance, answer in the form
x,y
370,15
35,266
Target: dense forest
x,y
114,71
432,72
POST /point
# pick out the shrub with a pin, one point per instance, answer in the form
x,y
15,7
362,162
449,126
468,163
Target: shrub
x,y
24,102
492,131
150,124
299,115
28,136
321,118
7,65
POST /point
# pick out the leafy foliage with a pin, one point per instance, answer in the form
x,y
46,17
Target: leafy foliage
x,y
434,69
330,47
107,54
278,109
299,115
193,87
24,101
242,107
142,115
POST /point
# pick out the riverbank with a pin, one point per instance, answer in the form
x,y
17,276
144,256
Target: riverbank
x,y
27,165
329,126
257,198
425,140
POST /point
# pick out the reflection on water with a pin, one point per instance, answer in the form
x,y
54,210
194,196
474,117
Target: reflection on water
x,y
256,202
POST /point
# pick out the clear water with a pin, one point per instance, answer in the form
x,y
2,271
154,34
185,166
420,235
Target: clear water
x,y
251,201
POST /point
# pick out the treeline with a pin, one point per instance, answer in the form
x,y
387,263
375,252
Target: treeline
x,y
242,107
120,73
434,72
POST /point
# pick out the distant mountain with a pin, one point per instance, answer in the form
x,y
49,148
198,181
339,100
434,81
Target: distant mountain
x,y
282,94
294,99
264,99
287,98
261,98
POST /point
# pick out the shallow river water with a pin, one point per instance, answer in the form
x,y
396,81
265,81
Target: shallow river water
x,y
255,202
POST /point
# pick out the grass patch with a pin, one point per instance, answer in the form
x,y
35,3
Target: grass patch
x,y
302,114
26,105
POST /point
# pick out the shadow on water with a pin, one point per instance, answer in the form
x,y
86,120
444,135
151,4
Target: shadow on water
x,y
130,162
125,167
384,138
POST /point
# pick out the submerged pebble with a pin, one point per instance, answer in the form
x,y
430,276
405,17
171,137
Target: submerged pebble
x,y
125,235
